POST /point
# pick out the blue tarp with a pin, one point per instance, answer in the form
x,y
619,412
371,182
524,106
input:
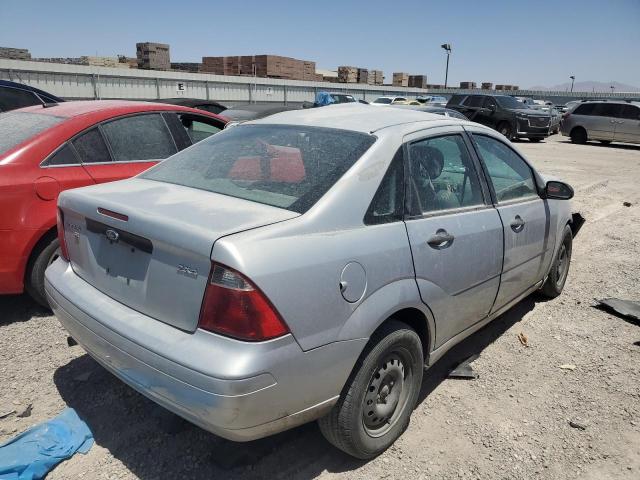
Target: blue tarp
x,y
31,455
324,98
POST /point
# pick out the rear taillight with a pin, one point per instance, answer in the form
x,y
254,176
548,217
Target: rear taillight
x,y
566,115
233,306
63,244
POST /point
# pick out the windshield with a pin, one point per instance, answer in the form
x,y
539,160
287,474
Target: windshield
x,y
510,102
283,166
16,127
382,100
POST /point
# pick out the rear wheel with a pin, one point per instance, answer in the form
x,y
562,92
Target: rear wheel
x,y
554,283
34,281
579,135
377,401
505,129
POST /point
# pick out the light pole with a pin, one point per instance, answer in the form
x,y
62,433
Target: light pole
x,y
612,88
573,78
447,48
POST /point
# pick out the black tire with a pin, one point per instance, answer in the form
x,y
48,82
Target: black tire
x,y
505,129
579,135
372,412
535,140
34,278
557,278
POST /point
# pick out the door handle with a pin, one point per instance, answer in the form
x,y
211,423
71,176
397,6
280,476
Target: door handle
x,y
442,239
517,224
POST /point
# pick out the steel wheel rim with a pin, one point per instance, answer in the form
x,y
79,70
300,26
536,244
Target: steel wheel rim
x,y
387,394
563,264
54,256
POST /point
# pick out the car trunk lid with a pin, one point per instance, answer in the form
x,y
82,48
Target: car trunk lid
x,y
148,244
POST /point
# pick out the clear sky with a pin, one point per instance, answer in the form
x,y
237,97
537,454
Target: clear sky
x,y
513,42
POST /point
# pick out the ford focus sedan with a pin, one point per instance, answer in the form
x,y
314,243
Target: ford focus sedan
x,y
44,151
309,265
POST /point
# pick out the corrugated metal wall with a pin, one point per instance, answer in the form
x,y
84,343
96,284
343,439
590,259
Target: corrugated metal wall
x,y
78,82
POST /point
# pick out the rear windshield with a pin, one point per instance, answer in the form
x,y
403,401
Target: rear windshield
x,y
283,166
16,127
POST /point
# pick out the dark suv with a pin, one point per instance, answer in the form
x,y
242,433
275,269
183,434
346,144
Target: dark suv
x,y
505,114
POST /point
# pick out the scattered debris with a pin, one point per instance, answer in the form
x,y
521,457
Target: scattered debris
x,y
626,204
523,339
624,308
83,377
33,453
6,414
464,370
71,341
26,412
579,426
568,366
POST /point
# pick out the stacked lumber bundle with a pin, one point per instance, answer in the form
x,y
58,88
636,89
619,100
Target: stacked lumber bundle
x,y
400,79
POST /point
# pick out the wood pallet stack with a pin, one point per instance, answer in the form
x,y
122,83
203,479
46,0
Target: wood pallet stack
x,y
375,77
417,81
487,85
347,74
363,75
468,85
400,79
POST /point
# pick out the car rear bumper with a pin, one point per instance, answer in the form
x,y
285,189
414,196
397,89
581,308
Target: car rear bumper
x,y
238,390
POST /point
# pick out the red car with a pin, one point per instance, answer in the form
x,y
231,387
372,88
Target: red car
x,y
46,150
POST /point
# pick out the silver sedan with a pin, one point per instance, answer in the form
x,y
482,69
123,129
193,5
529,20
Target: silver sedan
x,y
309,265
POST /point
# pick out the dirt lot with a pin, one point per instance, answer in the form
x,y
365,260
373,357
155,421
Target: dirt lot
x,y
511,422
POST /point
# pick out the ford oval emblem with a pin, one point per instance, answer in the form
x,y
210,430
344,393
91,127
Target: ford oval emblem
x,y
112,235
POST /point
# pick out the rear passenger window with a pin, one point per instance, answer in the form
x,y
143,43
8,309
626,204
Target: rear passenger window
x,y
607,109
584,109
442,174
473,101
630,112
510,175
139,137
64,156
91,147
388,203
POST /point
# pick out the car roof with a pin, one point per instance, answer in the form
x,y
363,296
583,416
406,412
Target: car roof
x,y
356,117
23,86
103,107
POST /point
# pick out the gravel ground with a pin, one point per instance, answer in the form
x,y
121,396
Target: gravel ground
x,y
511,422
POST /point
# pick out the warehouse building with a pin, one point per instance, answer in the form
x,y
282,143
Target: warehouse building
x,y
153,56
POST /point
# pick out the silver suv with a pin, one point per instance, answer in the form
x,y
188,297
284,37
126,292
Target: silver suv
x,y
605,121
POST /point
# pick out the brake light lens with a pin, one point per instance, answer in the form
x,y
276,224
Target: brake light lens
x,y
63,243
235,307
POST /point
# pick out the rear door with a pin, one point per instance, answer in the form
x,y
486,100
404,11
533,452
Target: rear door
x,y
471,107
455,235
601,122
126,146
525,217
628,124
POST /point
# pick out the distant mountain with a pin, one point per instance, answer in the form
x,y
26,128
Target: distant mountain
x,y
590,86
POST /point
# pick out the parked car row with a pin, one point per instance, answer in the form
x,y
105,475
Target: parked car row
x,y
44,151
604,121
335,251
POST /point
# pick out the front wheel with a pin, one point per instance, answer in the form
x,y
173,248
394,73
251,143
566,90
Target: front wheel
x,y
34,281
377,400
505,129
554,283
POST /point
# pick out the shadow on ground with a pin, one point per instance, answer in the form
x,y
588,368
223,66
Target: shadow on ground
x,y
153,443
619,146
19,308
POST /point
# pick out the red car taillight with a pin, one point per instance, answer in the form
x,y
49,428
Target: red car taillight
x,y
235,307
63,244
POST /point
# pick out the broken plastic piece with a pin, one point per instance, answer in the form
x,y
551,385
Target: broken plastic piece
x,y
625,308
579,426
464,370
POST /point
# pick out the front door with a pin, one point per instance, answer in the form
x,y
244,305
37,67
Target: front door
x,y
525,218
455,235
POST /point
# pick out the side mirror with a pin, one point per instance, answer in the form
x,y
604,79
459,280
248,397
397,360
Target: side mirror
x,y
558,190
492,108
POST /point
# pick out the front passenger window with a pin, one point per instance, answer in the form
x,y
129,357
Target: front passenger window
x,y
197,129
510,175
442,174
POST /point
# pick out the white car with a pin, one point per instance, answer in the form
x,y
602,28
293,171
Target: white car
x,y
389,101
